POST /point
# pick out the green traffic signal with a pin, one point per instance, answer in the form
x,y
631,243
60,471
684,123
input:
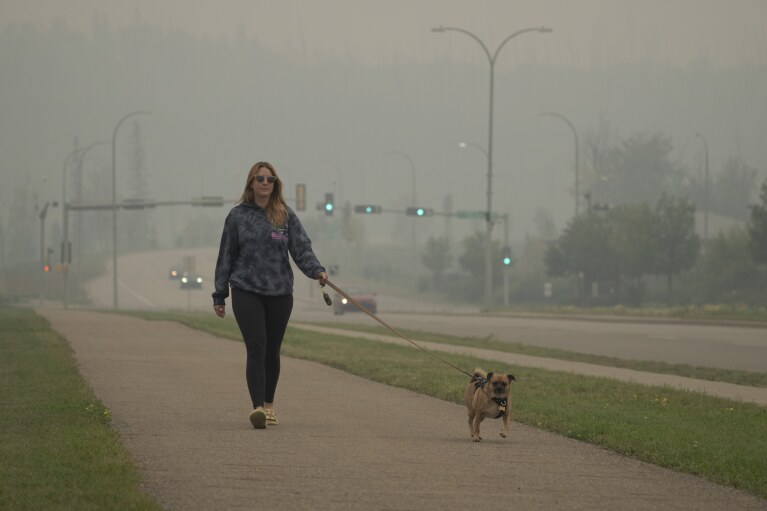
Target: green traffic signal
x,y
329,207
367,209
506,256
416,211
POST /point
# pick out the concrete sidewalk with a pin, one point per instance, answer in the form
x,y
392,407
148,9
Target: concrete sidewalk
x,y
179,401
756,395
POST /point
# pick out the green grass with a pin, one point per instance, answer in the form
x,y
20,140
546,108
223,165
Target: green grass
x,y
721,440
57,449
702,373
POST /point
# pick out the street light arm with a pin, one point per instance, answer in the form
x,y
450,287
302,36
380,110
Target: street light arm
x,y
577,153
472,144
515,34
82,158
569,123
94,144
125,117
490,59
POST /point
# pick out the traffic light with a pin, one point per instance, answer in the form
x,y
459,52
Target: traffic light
x,y
329,205
367,209
506,256
47,268
416,211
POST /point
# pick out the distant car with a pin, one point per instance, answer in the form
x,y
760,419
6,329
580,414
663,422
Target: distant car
x,y
363,296
191,281
174,273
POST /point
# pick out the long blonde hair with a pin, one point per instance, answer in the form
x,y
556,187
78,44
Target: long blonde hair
x,y
276,210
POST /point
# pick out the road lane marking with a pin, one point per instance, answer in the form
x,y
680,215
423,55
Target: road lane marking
x,y
135,294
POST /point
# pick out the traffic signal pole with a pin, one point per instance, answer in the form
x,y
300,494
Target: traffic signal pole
x,y
506,269
66,251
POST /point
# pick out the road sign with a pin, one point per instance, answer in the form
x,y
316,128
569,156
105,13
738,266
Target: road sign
x,y
208,201
471,215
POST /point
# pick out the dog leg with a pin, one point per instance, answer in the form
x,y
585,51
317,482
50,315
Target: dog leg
x,y
506,420
477,419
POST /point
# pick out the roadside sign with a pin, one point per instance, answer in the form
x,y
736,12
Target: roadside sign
x,y
471,215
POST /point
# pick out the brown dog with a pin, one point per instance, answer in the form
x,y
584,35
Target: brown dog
x,y
488,395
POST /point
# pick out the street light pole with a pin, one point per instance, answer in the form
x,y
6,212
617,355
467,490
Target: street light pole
x,y
65,218
491,60
65,212
414,201
577,155
705,186
114,202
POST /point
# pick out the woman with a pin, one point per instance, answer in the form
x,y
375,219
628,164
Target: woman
x,y
253,259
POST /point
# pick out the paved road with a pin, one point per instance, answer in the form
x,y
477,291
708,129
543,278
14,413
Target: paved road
x,y
144,285
178,399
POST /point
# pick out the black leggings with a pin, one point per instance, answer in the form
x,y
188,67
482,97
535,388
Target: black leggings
x,y
262,321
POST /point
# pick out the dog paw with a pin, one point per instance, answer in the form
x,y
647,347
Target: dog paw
x,y
503,434
477,439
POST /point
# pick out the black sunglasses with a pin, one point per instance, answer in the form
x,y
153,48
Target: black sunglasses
x,y
269,179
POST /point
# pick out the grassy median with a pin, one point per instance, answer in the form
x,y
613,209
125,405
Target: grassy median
x,y
57,449
722,440
701,373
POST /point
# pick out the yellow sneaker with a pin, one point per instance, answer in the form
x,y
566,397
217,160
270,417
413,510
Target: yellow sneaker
x,y
258,418
271,417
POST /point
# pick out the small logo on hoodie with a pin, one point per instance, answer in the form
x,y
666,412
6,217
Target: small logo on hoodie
x,y
279,235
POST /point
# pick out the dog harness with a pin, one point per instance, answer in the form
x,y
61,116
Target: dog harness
x,y
480,382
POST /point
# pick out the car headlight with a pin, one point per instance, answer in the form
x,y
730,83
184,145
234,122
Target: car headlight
x,y
184,280
199,280
344,301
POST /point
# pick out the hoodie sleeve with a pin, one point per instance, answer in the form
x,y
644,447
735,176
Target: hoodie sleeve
x,y
227,255
300,247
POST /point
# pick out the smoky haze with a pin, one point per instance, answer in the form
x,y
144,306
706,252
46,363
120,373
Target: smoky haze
x,y
336,93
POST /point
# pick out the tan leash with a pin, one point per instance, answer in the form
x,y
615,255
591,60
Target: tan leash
x,y
363,309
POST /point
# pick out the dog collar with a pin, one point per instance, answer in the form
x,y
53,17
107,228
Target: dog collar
x,y
501,406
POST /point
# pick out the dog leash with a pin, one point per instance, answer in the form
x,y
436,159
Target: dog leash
x,y
363,309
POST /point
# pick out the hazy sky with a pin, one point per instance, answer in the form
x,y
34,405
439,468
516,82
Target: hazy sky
x,y
588,32
430,91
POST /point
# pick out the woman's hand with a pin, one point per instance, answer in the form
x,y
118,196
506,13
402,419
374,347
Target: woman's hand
x,y
220,310
322,277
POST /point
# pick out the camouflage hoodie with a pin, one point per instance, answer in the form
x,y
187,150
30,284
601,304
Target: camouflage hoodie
x,y
253,255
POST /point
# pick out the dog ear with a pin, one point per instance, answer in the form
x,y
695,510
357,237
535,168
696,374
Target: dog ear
x,y
489,376
511,377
